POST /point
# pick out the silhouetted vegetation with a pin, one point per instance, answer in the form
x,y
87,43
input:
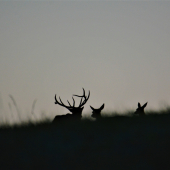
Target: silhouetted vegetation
x,y
116,142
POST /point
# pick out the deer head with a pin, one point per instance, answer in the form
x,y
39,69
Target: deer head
x,y
140,109
96,113
76,111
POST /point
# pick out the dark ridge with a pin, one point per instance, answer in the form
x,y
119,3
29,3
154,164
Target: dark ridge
x,y
120,142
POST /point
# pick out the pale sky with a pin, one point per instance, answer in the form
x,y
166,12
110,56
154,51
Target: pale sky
x,y
120,51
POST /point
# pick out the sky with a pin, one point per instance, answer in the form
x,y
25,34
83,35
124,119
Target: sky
x,y
120,51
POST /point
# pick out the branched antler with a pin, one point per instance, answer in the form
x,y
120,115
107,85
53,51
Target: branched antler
x,y
82,103
72,108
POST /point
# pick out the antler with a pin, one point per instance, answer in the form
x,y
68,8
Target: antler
x,y
62,104
82,103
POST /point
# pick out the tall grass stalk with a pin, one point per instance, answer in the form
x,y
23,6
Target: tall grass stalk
x,y
16,106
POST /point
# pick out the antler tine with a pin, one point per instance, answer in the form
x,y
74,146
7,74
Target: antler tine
x,y
79,95
86,99
55,98
57,102
69,103
83,92
73,102
80,101
61,104
88,95
61,101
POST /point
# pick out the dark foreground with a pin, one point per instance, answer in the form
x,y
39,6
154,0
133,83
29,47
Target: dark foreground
x,y
135,143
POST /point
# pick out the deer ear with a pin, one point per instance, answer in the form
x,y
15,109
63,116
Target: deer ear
x,y
102,107
139,104
145,105
91,107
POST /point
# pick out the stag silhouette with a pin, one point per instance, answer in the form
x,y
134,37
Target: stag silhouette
x,y
76,111
96,113
140,109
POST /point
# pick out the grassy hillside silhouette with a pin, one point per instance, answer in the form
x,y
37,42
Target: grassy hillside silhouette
x,y
119,142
